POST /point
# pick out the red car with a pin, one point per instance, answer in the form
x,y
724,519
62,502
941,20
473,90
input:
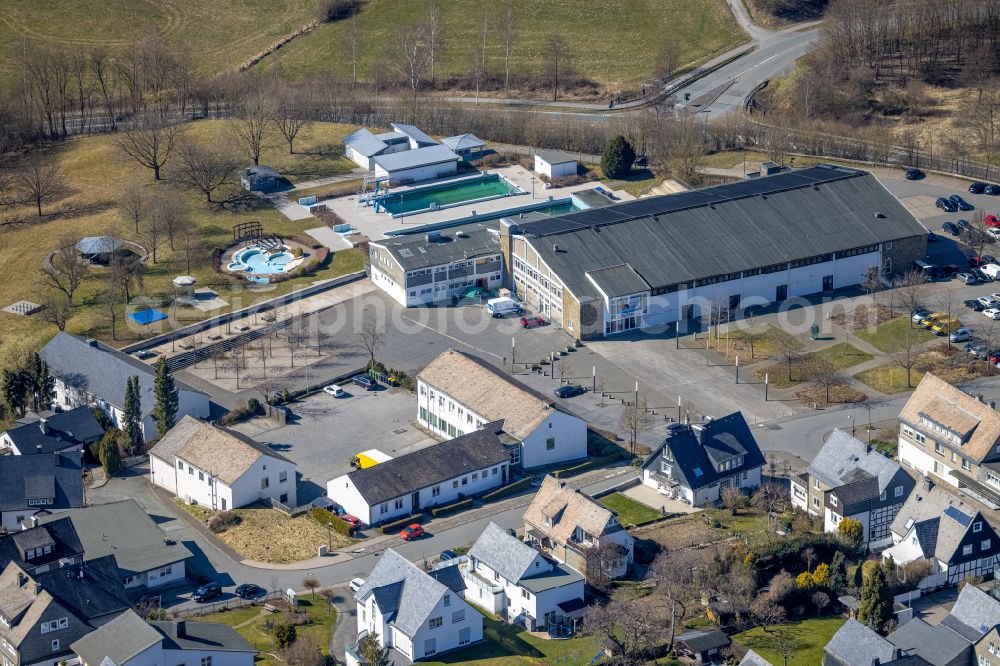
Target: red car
x,y
352,521
976,262
532,322
992,221
411,532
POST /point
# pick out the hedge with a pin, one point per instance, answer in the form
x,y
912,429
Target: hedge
x,y
397,526
509,489
446,509
325,517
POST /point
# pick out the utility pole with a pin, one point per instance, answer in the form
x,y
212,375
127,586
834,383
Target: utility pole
x,y
737,368
765,387
513,343
593,379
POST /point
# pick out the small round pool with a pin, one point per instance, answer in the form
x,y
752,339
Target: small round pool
x,y
258,261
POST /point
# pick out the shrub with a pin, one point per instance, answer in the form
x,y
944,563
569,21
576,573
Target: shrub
x,y
851,531
445,509
325,517
253,408
396,526
336,10
284,635
616,162
222,521
109,451
102,419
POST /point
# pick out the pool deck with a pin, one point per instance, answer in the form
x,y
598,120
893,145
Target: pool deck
x,y
365,220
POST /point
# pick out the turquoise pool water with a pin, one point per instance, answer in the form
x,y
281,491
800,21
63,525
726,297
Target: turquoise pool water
x,y
256,261
445,195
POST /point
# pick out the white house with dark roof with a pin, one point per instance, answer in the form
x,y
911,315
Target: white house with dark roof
x,y
849,479
855,644
934,524
466,466
417,614
40,485
697,462
88,372
128,640
511,579
219,468
72,429
458,392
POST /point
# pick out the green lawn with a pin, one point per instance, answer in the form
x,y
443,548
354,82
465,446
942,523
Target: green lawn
x,y
638,183
629,511
216,36
507,645
841,355
810,637
889,378
610,41
892,335
253,624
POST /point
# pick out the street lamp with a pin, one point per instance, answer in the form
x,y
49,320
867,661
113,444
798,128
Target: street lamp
x,y
851,417
329,537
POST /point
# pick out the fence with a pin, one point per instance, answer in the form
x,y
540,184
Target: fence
x,y
228,604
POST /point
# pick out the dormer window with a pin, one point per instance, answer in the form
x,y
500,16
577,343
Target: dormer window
x,y
548,521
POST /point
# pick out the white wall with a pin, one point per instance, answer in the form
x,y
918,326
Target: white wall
x,y
153,578
194,657
919,459
446,637
419,173
535,605
358,158
554,170
163,474
343,491
389,286
247,489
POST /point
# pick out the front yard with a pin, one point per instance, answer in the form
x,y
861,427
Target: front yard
x,y
629,511
268,535
809,637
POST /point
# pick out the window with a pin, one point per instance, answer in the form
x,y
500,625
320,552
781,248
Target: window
x,y
206,661
465,480
526,594
550,443
435,491
435,622
495,471
430,646
447,600
496,576
967,550
180,465
816,502
364,615
977,526
55,644
264,483
384,508
458,616
920,438
881,496
965,464
165,571
463,636
816,483
190,470
898,492
282,476
833,500
985,544
475,475
938,449
398,504
454,484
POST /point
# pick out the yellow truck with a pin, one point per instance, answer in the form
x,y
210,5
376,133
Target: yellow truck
x,y
369,458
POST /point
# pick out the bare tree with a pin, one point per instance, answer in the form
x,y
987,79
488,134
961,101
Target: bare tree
x,y
112,296
820,600
911,289
189,242
619,626
288,115
303,651
787,349
809,556
669,57
733,499
354,39
65,269
57,311
132,203
635,420
907,354
784,643
674,575
153,228
947,301
251,120
372,335
237,361
753,337
310,583
601,561
872,282
203,168
508,37
557,62
434,32
823,371
409,53
40,182
766,612
149,141
129,270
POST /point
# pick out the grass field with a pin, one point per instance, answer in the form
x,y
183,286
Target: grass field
x,y
809,636
214,35
253,623
611,41
97,171
629,511
889,378
891,336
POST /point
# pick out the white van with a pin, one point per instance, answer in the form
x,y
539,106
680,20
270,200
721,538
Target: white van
x,y
500,307
993,270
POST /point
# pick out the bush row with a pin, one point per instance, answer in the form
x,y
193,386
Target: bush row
x,y
397,525
253,408
325,517
446,509
508,490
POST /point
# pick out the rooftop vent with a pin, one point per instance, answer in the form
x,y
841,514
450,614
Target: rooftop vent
x,y
433,236
555,247
879,215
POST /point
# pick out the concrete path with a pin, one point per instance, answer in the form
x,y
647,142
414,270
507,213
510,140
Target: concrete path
x,y
330,180
327,237
289,208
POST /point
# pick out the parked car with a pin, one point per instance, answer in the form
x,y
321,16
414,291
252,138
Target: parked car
x,y
983,277
951,228
946,326
958,202
974,305
971,346
987,302
992,313
992,190
977,261
949,269
920,315
207,592
977,188
962,224
532,322
447,555
249,591
989,259
966,278
334,390
993,233
960,335
914,173
945,205
931,237
569,391
352,521
357,584
365,382
991,221
931,319
411,532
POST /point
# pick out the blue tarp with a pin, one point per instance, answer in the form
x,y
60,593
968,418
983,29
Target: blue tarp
x,y
147,316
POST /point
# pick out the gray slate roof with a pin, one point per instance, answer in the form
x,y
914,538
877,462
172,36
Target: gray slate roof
x,y
125,530
854,644
559,575
201,636
751,658
414,251
119,640
65,430
404,593
554,156
97,245
974,613
435,464
463,142
414,133
409,159
703,639
937,645
507,555
58,530
96,593
57,476
844,459
101,370
941,521
723,229
364,142
619,280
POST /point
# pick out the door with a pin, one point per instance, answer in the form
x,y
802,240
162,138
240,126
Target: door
x,y
781,292
415,501
482,283
734,302
827,283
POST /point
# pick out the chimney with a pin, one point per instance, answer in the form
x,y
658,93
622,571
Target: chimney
x,y
928,484
21,579
34,521
180,627
43,425
39,448
993,404
92,342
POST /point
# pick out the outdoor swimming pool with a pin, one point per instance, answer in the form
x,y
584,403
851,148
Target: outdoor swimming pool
x,y
260,261
490,186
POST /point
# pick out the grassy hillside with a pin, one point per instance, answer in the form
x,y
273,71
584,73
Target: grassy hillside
x,y
97,172
612,41
215,34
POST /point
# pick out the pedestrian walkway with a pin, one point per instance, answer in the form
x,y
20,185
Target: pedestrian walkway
x,y
331,180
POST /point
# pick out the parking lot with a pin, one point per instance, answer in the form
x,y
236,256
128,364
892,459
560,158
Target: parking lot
x,y
326,432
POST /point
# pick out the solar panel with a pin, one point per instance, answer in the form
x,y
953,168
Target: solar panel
x,y
962,519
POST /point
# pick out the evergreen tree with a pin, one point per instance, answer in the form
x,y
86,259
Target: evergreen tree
x,y
837,578
109,453
618,157
132,418
876,600
371,650
165,410
42,384
14,390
